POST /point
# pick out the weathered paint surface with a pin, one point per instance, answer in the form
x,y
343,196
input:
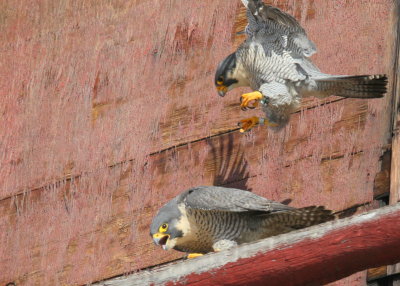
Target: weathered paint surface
x,y
90,91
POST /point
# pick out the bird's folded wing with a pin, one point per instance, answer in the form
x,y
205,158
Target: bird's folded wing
x,y
231,200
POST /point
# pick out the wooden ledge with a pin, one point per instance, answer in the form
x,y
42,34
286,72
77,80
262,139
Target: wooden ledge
x,y
313,256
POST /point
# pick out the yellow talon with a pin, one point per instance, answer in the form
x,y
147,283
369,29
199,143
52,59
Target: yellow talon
x,y
248,123
194,255
247,98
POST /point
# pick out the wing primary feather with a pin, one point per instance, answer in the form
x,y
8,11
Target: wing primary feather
x,y
266,12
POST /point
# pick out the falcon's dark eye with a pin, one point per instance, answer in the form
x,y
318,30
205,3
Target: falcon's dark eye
x,y
220,80
163,227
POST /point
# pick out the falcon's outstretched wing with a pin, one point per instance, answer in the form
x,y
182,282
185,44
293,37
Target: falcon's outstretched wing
x,y
263,12
269,23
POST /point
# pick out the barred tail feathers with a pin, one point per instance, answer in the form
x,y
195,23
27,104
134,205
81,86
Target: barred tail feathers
x,y
359,86
303,217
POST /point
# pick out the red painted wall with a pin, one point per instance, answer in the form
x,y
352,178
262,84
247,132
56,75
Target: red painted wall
x,y
90,91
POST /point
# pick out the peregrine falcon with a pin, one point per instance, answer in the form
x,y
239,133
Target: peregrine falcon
x,y
274,62
206,219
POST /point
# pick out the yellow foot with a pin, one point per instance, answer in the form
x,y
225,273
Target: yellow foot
x,y
194,255
248,123
247,98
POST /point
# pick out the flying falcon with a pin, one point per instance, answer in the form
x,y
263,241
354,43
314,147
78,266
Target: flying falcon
x,y
206,219
274,62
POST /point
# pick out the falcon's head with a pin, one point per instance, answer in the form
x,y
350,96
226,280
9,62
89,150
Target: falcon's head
x,y
165,228
230,74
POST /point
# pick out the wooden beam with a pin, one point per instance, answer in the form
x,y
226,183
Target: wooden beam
x,y
376,273
395,169
391,175
313,256
382,178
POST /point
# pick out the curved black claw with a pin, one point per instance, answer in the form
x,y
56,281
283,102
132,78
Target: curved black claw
x,y
242,108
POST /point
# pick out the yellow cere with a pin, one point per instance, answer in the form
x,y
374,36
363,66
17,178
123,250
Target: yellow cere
x,y
163,227
222,88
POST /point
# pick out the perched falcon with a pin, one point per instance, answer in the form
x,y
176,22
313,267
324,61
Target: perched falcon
x,y
274,62
206,219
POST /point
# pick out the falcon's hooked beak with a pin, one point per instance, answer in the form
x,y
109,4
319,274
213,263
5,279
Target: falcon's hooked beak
x,y
222,90
161,239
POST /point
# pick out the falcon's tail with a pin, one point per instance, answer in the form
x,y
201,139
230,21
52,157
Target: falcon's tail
x,y
359,86
304,217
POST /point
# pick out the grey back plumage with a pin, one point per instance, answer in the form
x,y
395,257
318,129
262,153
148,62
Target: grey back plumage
x,y
230,200
218,213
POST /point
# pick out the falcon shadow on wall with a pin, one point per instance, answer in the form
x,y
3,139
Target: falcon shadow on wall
x,y
228,163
